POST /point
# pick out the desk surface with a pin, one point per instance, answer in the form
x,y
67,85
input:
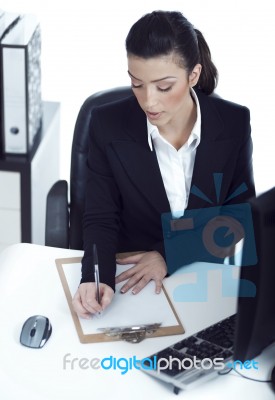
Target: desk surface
x,y
29,285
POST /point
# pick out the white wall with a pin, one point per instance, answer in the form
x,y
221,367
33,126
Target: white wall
x,y
83,52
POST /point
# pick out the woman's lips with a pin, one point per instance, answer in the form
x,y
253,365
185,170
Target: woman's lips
x,y
153,115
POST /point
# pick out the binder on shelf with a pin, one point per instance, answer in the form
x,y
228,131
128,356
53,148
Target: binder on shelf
x,y
21,86
7,22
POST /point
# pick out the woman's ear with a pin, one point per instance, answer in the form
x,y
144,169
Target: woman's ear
x,y
194,75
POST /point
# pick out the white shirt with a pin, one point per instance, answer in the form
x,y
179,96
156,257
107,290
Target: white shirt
x,y
176,166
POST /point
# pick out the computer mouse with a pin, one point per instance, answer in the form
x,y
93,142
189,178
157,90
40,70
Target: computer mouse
x,y
36,331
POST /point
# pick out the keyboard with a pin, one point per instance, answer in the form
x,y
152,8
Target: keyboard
x,y
196,358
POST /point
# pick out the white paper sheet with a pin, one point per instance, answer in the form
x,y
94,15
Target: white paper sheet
x,y
126,309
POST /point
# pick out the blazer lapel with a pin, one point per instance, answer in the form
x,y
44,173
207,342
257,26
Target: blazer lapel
x,y
213,154
141,165
139,162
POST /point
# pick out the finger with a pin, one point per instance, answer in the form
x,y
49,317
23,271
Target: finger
x,y
140,285
88,298
126,274
85,315
130,259
91,305
78,307
158,286
132,282
107,298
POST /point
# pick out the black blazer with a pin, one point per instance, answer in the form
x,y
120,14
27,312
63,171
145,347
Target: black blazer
x,y
125,192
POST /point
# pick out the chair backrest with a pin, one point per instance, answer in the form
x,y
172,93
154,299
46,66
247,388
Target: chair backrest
x,y
79,158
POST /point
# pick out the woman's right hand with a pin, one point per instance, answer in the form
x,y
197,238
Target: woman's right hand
x,y
84,301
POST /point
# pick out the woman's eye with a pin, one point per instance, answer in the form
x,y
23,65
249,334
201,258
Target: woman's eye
x,y
165,89
135,86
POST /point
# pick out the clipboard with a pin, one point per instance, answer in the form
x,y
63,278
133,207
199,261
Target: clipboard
x,y
128,316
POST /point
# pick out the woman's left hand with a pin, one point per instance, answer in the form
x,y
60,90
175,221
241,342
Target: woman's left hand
x,y
148,266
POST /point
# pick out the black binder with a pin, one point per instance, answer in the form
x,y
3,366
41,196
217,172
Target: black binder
x,y
7,21
21,86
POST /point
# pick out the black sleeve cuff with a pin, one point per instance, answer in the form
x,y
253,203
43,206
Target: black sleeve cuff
x,y
106,273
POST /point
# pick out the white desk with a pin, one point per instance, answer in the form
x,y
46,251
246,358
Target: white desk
x,y
29,285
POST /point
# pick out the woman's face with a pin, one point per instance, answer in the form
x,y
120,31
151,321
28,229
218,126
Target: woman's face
x,y
162,87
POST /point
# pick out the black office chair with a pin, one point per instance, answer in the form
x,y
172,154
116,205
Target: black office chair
x,y
64,218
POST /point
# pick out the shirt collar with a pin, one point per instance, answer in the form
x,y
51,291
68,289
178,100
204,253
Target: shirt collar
x,y
195,135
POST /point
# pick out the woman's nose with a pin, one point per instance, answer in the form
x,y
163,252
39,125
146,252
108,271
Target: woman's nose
x,y
150,99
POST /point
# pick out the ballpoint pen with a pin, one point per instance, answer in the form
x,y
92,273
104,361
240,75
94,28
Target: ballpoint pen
x,y
96,272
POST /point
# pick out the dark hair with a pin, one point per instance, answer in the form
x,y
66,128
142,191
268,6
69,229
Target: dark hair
x,y
166,32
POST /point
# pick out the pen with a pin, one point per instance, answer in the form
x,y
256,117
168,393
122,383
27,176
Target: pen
x,y
96,272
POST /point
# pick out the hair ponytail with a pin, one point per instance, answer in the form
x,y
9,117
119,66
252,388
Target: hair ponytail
x,y
167,32
209,75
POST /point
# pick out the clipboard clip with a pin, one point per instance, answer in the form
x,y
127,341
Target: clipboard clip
x,y
131,334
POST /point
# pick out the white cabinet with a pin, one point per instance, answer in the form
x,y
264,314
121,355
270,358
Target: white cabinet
x,y
25,181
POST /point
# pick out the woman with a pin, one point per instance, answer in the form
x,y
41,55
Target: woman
x,y
146,150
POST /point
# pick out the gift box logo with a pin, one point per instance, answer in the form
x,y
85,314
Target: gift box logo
x,y
214,235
